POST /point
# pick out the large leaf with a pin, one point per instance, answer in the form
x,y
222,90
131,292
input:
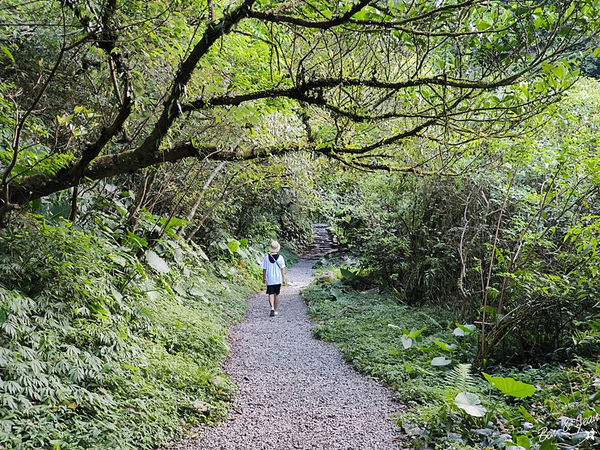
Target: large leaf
x,y
172,222
406,341
470,404
156,262
346,274
439,361
233,245
523,441
444,346
510,386
464,330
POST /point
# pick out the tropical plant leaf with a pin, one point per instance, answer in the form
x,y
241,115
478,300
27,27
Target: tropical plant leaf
x,y
523,441
470,404
440,361
510,386
156,262
233,245
406,341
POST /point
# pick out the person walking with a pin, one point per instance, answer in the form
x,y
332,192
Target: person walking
x,y
274,275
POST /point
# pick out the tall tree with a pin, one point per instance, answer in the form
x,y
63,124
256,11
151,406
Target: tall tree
x,y
95,89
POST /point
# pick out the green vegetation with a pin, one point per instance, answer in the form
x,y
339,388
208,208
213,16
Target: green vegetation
x,y
513,244
422,352
490,272
148,148
102,348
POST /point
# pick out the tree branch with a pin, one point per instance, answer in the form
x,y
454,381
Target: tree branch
x,y
323,25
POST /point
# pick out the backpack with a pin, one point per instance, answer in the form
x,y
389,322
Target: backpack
x,y
273,259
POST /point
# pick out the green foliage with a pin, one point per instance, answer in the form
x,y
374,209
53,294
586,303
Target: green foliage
x,y
99,350
514,245
447,406
460,378
510,386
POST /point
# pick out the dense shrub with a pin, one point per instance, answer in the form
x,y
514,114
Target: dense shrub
x,y
100,348
514,245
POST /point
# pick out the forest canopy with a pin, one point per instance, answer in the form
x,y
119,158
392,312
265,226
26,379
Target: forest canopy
x,y
91,90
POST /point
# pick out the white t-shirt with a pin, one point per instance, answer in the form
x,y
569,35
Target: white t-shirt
x,y
273,270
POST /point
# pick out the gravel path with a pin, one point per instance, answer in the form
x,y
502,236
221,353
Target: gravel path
x,y
295,391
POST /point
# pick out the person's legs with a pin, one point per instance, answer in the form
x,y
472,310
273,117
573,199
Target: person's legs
x,y
273,292
272,301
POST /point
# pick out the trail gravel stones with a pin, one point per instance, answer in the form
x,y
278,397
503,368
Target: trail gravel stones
x,y
296,392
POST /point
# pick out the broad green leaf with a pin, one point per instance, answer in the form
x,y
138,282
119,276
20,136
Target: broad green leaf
x,y
444,346
406,341
510,386
233,245
464,330
156,262
439,361
523,441
559,70
470,403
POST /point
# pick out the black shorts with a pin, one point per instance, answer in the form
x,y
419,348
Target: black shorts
x,y
273,288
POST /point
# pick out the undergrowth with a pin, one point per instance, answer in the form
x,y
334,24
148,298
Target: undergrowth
x,y
425,356
106,345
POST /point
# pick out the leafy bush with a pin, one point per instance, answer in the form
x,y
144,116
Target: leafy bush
x,y
450,405
100,348
513,245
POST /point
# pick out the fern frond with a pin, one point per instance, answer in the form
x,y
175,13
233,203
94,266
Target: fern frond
x,y
460,378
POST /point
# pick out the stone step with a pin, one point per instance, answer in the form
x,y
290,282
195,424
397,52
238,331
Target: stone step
x,y
323,243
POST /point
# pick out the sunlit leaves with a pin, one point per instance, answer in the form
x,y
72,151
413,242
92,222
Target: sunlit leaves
x,y
470,403
156,262
510,386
